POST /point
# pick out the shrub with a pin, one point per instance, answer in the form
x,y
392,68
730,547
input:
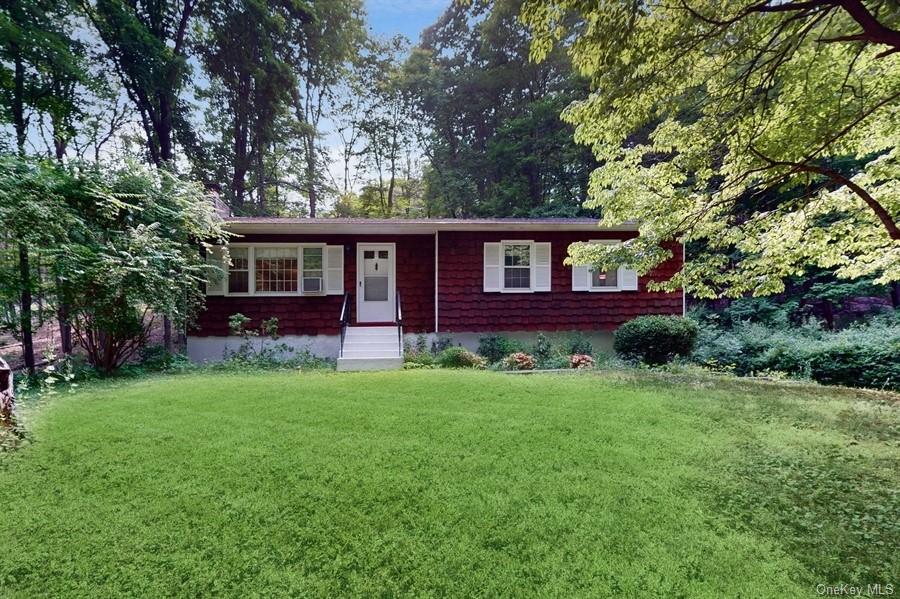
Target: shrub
x,y
581,361
862,355
655,340
519,361
417,357
415,366
460,357
440,344
496,347
876,367
555,362
542,350
578,343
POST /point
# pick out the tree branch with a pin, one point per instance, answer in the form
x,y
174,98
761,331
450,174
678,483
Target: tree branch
x,y
883,215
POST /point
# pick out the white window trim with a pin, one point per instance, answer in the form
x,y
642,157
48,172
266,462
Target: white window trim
x,y
251,257
503,267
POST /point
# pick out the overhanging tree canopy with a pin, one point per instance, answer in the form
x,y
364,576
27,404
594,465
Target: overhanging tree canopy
x,y
764,131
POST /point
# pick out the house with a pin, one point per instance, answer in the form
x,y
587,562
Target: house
x,y
353,288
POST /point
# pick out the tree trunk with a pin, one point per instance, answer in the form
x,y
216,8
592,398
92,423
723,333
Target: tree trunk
x,y
65,329
19,103
239,177
260,177
167,334
164,129
25,312
311,173
895,294
24,268
829,315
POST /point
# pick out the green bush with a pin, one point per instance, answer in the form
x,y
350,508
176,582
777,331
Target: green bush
x,y
655,340
415,365
495,348
460,357
440,344
579,344
556,362
416,357
542,350
876,367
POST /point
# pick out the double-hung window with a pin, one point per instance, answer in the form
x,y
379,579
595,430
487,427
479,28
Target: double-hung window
x,y
604,279
587,278
517,266
313,273
239,271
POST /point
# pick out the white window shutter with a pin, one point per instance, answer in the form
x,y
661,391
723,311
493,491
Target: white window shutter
x,y
492,267
334,269
541,268
216,279
628,279
581,278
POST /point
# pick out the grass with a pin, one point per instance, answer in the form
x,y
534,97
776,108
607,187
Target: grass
x,y
442,483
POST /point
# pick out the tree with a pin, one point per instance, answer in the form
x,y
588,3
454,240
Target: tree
x,y
245,51
763,134
492,133
147,45
35,218
320,48
386,120
134,256
40,65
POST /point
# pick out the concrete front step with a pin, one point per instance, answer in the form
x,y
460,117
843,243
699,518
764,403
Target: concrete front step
x,y
347,364
371,354
371,348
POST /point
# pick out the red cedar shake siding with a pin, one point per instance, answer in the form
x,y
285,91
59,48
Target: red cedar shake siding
x,y
464,306
319,315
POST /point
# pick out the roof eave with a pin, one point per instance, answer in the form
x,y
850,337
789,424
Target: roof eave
x,y
410,228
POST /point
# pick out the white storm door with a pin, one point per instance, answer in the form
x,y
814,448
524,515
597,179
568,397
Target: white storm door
x,y
375,282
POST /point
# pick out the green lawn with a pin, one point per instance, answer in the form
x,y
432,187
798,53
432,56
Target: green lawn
x,y
450,483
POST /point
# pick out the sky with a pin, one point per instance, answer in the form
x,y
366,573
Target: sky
x,y
407,17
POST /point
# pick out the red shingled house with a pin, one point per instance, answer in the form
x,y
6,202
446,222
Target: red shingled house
x,y
352,288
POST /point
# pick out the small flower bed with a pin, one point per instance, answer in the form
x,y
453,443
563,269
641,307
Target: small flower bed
x,y
581,361
519,361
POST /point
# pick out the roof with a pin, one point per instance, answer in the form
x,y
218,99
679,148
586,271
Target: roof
x,y
265,224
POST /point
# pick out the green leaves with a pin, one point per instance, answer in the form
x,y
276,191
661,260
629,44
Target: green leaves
x,y
738,131
123,244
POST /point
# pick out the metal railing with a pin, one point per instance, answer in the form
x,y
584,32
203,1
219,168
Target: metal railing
x,y
345,321
399,325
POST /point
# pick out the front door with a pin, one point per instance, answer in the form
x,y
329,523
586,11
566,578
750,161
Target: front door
x,y
375,282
